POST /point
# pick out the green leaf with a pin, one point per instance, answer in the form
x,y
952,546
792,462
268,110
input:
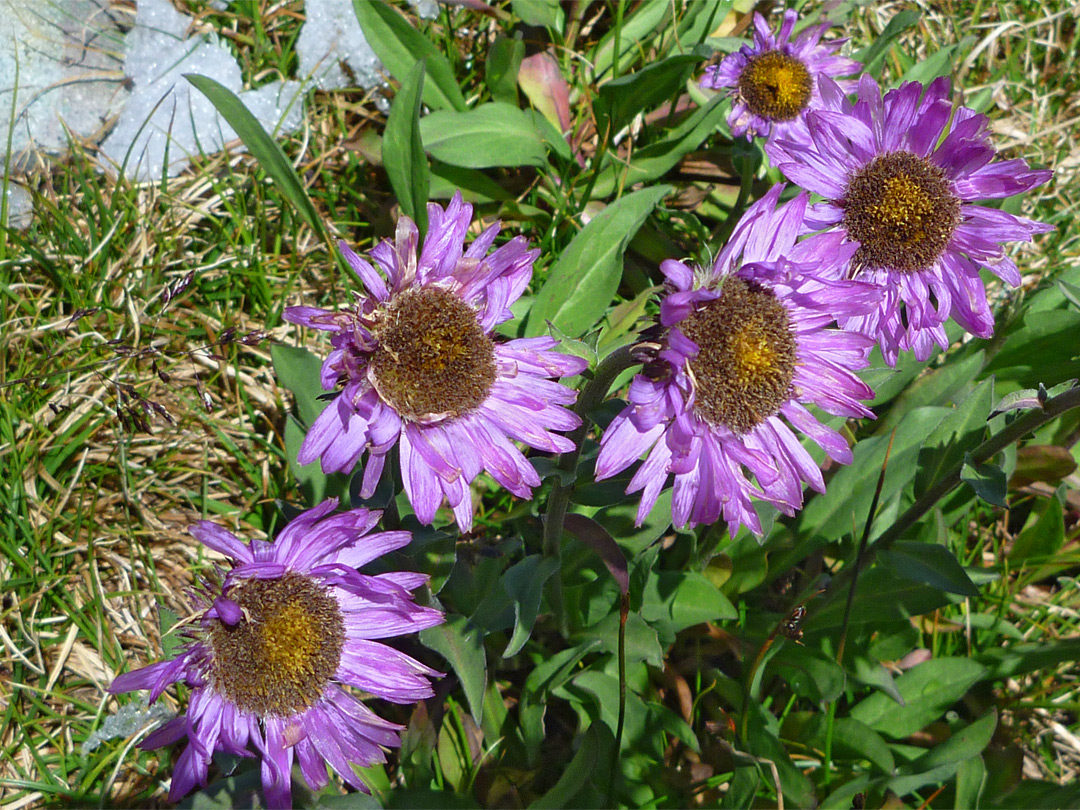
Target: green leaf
x,y
928,690
596,537
1043,538
653,160
855,740
809,674
987,479
475,186
524,582
462,645
930,564
501,69
493,134
544,13
847,500
872,55
170,642
938,63
970,778
677,600
589,764
642,643
647,17
583,280
266,150
962,430
298,370
1019,659
963,745
399,47
621,99
310,477
403,150
1042,348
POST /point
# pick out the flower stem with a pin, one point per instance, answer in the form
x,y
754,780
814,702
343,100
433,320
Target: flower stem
x,y
590,397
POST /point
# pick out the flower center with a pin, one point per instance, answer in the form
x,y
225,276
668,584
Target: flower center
x,y
775,86
902,212
433,359
746,362
278,659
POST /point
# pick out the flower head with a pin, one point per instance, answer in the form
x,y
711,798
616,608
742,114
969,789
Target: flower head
x,y
419,368
774,81
901,176
747,344
290,625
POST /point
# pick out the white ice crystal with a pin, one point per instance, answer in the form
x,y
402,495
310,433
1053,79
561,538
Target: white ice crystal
x,y
62,60
167,121
330,37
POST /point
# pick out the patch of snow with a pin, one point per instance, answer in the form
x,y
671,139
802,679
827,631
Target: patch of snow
x,y
332,36
425,9
130,717
20,207
61,60
167,121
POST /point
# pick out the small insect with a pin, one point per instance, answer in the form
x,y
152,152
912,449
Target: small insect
x,y
791,626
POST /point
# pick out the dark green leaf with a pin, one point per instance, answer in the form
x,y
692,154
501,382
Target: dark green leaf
x,y
930,564
855,740
462,645
501,68
646,17
938,63
493,134
962,430
872,55
970,777
1043,538
524,583
987,479
967,743
583,280
589,763
928,690
682,599
403,150
641,641
596,537
1019,659
1041,348
474,185
622,98
266,150
653,160
808,673
399,47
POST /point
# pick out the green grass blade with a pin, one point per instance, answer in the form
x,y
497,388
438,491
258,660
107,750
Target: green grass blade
x,y
403,150
266,150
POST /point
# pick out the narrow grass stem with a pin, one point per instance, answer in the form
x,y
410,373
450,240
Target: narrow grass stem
x,y
624,613
1012,433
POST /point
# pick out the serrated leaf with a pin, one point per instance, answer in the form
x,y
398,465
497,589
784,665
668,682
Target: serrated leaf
x,y
264,149
462,645
403,150
583,280
928,690
399,47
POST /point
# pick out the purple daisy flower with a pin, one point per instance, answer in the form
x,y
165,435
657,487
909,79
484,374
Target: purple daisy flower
x,y
774,81
747,344
420,369
900,176
290,625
